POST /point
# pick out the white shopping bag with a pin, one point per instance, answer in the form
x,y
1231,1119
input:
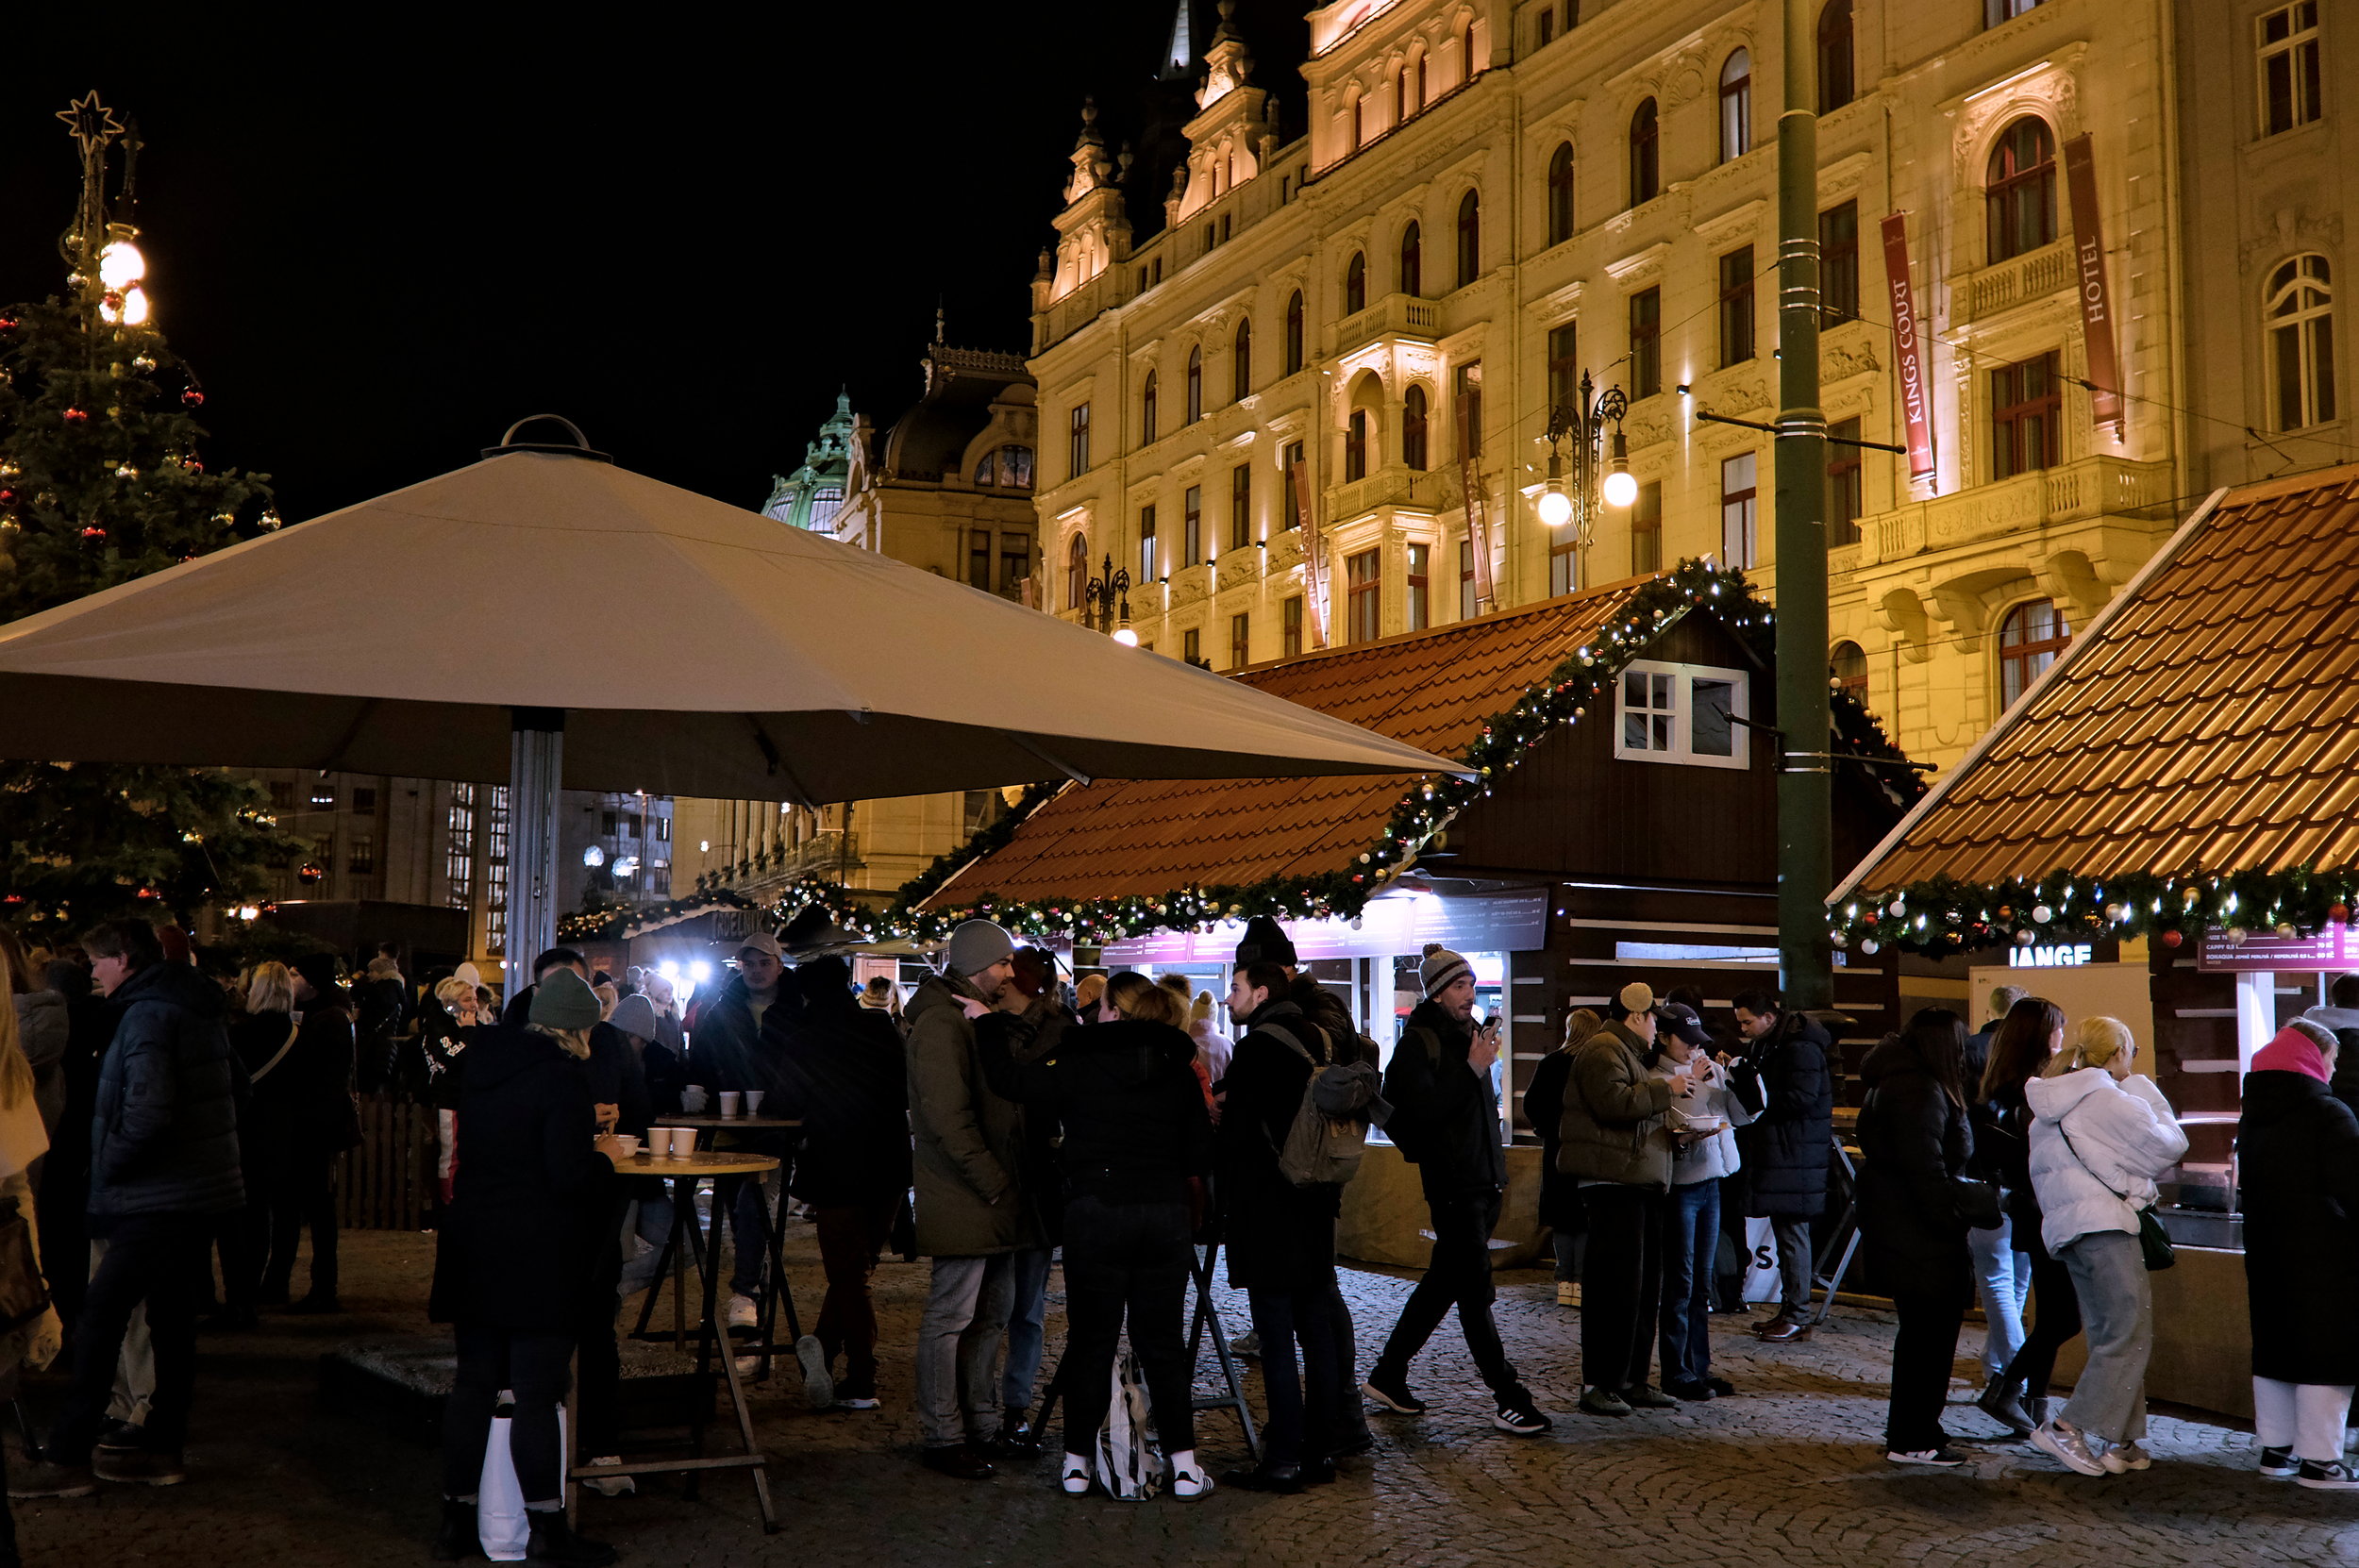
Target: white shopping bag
x,y
1761,1262
1129,1460
499,1509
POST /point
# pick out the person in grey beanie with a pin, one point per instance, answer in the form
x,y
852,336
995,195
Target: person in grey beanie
x,y
972,1216
1445,1120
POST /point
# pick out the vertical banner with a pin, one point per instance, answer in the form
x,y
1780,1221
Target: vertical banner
x,y
1908,351
1314,554
2096,305
1478,522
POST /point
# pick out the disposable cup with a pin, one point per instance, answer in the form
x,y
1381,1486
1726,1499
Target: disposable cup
x,y
730,1101
630,1144
753,1101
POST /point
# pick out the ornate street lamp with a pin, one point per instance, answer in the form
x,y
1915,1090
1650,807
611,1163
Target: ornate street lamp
x,y
1107,601
1599,479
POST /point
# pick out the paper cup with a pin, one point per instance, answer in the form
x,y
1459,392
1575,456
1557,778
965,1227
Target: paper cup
x,y
730,1099
680,1142
753,1101
630,1144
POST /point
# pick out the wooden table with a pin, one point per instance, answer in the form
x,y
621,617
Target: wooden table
x,y
777,1293
725,1169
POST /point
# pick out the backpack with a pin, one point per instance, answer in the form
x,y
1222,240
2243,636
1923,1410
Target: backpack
x,y
1330,1128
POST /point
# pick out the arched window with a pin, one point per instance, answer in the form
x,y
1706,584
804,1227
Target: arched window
x,y
1412,261
1736,106
1356,284
1467,42
1469,237
1834,55
1294,332
1646,143
1420,83
1413,428
1241,362
1077,573
1355,445
1401,98
2028,641
1561,193
2020,198
1195,383
2300,327
1146,410
1847,668
1359,119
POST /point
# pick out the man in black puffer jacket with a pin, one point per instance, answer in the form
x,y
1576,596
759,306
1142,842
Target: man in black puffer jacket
x,y
163,1169
1785,1079
1445,1118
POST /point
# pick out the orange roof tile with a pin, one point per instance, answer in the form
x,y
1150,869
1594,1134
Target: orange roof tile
x,y
2209,721
1435,690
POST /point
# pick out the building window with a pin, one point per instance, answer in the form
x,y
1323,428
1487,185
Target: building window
x,y
1563,563
1192,525
1547,26
1356,284
282,796
1736,106
1467,45
1009,466
458,848
2030,639
1077,568
1239,641
1355,445
1646,343
322,795
1739,512
1015,565
2301,326
1290,627
1645,529
1646,147
978,559
1365,588
2289,68
1192,646
1835,87
1401,98
1412,261
1563,365
1469,237
1241,362
1413,422
1736,306
1209,240
1684,713
495,903
1844,472
1420,596
1150,567
1838,263
2027,417
1846,670
1078,442
1420,94
1291,463
1195,383
1241,505
1998,11
1294,332
1561,193
1465,579
363,798
1146,410
1470,398
363,859
2021,196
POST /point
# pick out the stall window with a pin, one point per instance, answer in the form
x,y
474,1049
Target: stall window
x,y
1684,713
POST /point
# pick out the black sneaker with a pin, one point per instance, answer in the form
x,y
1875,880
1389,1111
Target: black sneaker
x,y
959,1461
1521,1419
1693,1389
2279,1464
2327,1476
1721,1388
1392,1393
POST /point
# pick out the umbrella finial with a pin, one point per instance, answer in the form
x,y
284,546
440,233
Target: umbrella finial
x,y
579,447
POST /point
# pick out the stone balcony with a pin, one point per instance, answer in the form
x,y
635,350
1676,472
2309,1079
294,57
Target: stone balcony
x,y
1393,316
1433,490
2078,492
1977,296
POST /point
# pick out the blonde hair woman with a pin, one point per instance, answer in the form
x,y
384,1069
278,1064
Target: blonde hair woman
x,y
34,1344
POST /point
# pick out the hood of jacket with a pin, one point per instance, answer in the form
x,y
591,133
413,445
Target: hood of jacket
x,y
1889,1056
2052,1099
499,1052
938,991
41,1012
174,985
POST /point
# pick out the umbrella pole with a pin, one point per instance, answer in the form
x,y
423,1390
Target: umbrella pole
x,y
536,763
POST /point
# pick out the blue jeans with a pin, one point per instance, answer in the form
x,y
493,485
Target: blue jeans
x,y
1691,1243
2002,1276
1026,1314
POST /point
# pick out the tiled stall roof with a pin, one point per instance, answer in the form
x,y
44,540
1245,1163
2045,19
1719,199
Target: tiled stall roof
x,y
1433,689
2211,722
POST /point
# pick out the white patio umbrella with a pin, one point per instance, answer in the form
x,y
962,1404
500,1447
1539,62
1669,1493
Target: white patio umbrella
x,y
547,618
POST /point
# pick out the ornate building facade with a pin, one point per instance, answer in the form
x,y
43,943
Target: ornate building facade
x,y
1493,198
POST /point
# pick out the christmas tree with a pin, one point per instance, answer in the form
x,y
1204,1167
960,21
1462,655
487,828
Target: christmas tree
x,y
102,481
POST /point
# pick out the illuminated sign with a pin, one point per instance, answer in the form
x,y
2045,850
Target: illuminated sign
x,y
2048,958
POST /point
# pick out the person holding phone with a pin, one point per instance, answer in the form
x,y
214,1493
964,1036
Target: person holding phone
x,y
1701,1126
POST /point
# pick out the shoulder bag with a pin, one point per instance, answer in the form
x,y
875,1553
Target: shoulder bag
x,y
2153,1241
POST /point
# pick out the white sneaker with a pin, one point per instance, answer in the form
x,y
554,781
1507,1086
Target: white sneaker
x,y
744,1313
611,1486
2070,1448
818,1386
2122,1458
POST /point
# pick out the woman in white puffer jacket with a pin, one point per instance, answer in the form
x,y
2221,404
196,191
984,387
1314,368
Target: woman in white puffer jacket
x,y
2100,1135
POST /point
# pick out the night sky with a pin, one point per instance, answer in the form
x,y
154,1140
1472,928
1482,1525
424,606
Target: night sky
x,y
379,248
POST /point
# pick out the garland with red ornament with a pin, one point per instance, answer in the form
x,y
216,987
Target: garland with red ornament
x,y
1943,914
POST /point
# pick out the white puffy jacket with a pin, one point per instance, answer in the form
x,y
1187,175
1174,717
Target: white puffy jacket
x,y
1715,1156
2123,1134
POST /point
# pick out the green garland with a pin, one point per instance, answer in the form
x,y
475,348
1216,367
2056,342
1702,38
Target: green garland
x,y
1943,914
613,925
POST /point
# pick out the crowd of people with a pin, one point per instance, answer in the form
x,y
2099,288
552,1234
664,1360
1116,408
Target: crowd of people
x,y
153,1119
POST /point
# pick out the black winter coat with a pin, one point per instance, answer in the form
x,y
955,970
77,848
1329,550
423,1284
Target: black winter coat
x,y
2298,1153
267,1131
1560,1207
520,1244
842,1072
1913,1144
1790,1087
1280,1237
1127,1100
313,1088
164,1135
729,1051
1446,1119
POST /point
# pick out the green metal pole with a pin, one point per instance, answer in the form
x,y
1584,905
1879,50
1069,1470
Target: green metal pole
x,y
1805,856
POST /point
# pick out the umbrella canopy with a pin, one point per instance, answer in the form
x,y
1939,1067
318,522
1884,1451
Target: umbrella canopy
x,y
692,647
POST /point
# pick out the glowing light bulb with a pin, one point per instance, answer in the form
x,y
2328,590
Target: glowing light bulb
x,y
121,263
135,307
1128,638
700,972
1556,508
1621,488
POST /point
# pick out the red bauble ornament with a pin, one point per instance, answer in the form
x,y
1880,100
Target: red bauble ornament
x,y
2172,938
7,323
93,533
2334,912
1868,918
191,466
7,497
192,398
77,416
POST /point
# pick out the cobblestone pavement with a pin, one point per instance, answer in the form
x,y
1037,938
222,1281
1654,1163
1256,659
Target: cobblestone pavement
x,y
1789,1472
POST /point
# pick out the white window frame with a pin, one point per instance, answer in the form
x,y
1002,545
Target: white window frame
x,y
1683,677
2299,42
